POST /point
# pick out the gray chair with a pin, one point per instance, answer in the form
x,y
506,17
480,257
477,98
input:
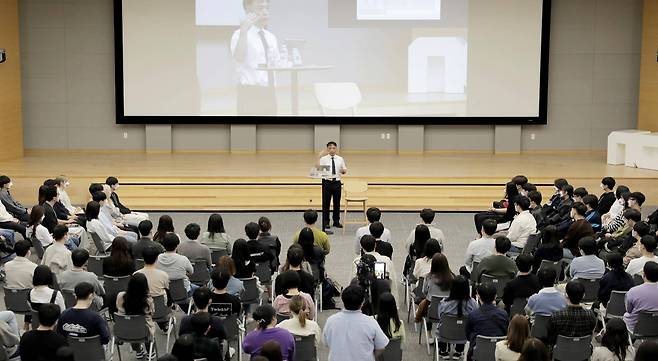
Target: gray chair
x,y
114,285
98,242
498,282
474,272
518,306
216,254
132,329
38,247
452,329
201,274
532,243
393,351
264,273
178,294
572,348
432,318
251,294
139,263
234,328
616,306
305,348
163,313
95,265
638,279
69,298
540,327
485,348
415,295
16,300
591,289
87,348
556,266
646,327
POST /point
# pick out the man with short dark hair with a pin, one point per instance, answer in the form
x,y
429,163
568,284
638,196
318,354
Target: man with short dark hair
x,y
498,264
145,227
573,321
524,285
260,253
78,274
80,321
41,344
368,244
548,299
373,214
592,215
191,248
647,248
642,298
8,220
632,244
20,270
561,212
536,208
202,299
220,295
579,193
158,279
295,258
382,247
57,256
320,237
578,229
482,247
351,335
12,206
175,265
331,183
608,198
204,346
587,266
427,216
523,224
488,320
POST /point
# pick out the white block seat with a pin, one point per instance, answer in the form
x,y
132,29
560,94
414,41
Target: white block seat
x,y
617,145
643,152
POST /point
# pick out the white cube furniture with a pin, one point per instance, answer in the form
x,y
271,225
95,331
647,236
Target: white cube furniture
x,y
633,148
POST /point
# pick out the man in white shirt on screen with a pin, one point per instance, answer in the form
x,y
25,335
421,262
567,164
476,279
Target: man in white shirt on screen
x,y
253,46
331,184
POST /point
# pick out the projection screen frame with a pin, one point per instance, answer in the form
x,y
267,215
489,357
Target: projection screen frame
x,y
541,119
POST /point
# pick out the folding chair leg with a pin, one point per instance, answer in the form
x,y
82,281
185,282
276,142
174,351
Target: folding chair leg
x,y
169,329
189,307
427,337
320,300
436,350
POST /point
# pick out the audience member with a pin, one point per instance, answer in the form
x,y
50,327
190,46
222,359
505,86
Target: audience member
x,y
294,259
459,303
548,300
62,183
259,252
518,332
427,216
20,270
524,285
320,237
642,298
215,236
130,216
351,335
647,351
607,198
36,230
58,256
498,264
165,225
10,335
588,266
270,241
41,344
220,294
42,292
536,208
291,282
145,227
388,319
176,266
579,193
120,263
8,221
577,230
647,247
299,323
631,245
614,279
202,299
562,212
244,266
191,248
80,321
271,351
592,215
136,301
313,254
183,348
373,214
522,226
615,344
482,247
12,206
265,331
382,247
94,225
226,265
68,280
534,350
423,266
621,195
437,283
114,227
487,320
158,280
368,246
421,236
205,346
501,215
574,320
549,249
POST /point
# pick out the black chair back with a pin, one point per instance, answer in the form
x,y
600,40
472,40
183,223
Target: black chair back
x,y
264,273
518,306
638,279
540,327
38,247
69,298
572,348
591,289
251,293
87,348
647,326
95,265
305,348
201,274
114,285
616,306
452,329
485,348
498,282
216,254
98,242
16,300
532,243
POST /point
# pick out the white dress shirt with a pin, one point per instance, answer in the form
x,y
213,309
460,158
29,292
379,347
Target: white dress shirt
x,y
4,215
478,250
95,226
340,165
434,233
636,265
42,235
523,225
248,73
362,231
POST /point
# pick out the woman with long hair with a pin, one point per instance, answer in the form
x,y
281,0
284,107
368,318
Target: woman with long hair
x,y
272,241
313,254
226,265
501,215
165,225
423,265
135,300
94,225
36,229
421,236
534,350
299,324
265,331
388,318
42,292
615,343
244,266
459,303
437,283
549,249
120,263
518,332
215,236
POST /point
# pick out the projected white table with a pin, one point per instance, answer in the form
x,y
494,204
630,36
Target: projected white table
x,y
294,79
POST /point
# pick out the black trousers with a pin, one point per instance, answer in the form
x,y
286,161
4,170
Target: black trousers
x,y
14,227
331,190
256,100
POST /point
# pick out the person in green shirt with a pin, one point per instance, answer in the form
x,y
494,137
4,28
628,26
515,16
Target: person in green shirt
x,y
498,264
320,238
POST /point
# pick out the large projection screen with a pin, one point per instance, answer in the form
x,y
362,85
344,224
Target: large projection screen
x,y
332,61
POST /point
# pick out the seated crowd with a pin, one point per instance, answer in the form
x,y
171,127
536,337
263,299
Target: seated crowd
x,y
555,265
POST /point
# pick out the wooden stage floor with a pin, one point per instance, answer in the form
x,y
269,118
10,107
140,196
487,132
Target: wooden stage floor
x,y
446,182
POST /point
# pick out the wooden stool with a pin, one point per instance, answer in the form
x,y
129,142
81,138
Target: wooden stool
x,y
356,191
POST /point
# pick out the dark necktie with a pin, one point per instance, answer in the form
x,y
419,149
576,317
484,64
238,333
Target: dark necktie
x,y
261,33
333,166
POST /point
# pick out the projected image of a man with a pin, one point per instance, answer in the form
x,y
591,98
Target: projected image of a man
x,y
254,47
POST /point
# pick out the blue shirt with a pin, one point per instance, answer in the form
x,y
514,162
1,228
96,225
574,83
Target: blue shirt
x,y
547,301
587,267
83,323
353,336
488,320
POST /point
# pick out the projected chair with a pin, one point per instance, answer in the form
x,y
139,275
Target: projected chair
x,y
337,96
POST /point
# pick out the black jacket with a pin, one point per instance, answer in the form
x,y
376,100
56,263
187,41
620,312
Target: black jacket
x,y
117,203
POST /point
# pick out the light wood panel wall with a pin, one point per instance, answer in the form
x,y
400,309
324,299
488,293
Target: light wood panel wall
x,y
10,83
648,110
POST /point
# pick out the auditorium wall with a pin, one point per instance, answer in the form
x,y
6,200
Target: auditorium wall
x,y
68,88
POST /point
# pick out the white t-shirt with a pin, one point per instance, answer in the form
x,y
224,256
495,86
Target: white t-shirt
x,y
636,266
42,234
338,161
255,56
362,231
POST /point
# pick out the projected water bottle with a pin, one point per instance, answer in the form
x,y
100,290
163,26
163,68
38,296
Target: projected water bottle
x,y
296,57
284,57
